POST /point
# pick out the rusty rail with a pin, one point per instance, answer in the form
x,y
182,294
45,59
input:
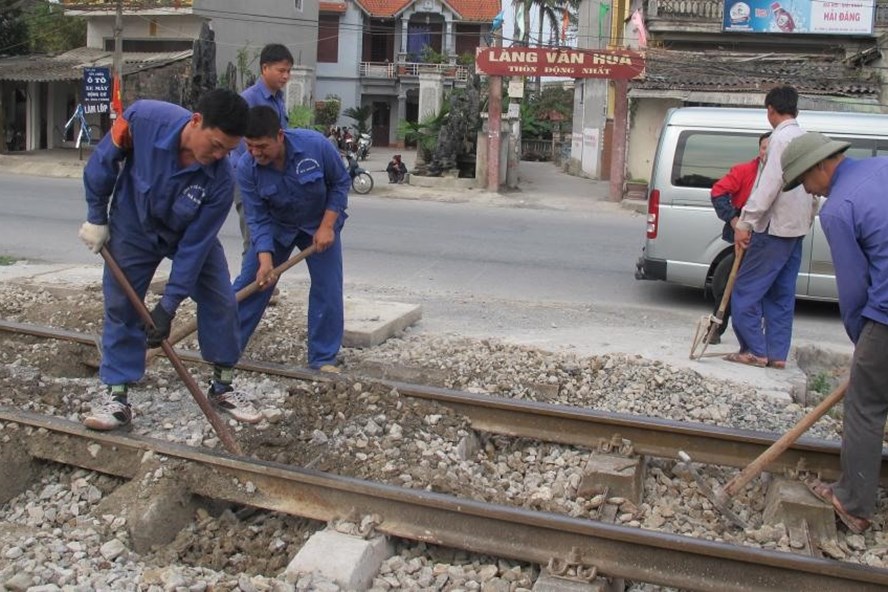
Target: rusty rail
x,y
567,425
497,530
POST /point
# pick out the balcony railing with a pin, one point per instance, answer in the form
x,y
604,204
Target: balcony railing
x,y
412,69
709,10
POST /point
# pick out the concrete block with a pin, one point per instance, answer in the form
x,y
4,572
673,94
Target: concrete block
x,y
550,583
369,322
156,504
789,502
621,476
349,561
17,468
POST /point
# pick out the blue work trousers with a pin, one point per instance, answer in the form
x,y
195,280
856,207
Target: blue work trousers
x,y
763,302
123,337
326,322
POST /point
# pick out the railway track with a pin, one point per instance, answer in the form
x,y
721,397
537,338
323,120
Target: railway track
x,y
505,531
538,537
561,424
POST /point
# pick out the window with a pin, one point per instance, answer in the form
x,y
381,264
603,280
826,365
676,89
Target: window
x,y
328,38
298,5
702,158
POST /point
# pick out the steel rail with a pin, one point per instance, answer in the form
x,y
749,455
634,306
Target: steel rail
x,y
479,527
662,438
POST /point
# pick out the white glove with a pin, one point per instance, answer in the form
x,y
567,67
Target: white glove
x,y
94,236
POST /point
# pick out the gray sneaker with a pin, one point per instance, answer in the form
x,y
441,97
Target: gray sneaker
x,y
111,414
237,405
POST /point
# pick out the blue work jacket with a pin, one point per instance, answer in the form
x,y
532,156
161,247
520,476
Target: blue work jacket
x,y
163,207
280,204
256,96
855,222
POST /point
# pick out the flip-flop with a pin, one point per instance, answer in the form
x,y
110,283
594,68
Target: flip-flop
x,y
824,493
746,358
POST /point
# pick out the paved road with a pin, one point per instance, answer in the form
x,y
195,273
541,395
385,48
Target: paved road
x,y
558,277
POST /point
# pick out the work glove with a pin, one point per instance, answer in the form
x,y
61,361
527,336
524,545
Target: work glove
x,y
161,330
94,236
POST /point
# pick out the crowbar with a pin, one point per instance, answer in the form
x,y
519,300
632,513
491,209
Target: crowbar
x,y
219,426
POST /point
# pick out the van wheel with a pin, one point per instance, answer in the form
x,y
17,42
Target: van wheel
x,y
720,277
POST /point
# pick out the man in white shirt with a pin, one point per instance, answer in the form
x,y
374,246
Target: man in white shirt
x,y
772,226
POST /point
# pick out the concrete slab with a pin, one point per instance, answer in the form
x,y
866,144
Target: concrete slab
x,y
349,561
619,475
370,322
789,502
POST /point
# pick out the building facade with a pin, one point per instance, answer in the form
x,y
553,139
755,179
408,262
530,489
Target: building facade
x,y
371,53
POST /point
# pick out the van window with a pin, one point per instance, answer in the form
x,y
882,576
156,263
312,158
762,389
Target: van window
x,y
881,148
704,157
860,147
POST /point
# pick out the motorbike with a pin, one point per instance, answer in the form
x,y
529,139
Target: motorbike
x,y
364,143
362,182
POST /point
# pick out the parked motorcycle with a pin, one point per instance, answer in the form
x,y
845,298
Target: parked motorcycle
x,y
364,143
362,182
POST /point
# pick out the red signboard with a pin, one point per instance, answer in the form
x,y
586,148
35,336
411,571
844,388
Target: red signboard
x,y
570,63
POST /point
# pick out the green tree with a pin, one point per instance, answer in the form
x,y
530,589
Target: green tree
x,y
327,111
13,28
548,11
51,31
360,115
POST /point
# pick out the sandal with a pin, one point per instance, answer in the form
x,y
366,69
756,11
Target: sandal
x,y
777,364
747,358
824,493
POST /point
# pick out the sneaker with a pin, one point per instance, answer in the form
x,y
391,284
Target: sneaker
x,y
110,415
329,369
237,405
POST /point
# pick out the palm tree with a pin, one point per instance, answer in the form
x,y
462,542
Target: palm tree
x,y
551,10
360,115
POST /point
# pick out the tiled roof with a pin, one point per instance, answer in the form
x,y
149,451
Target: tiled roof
x,y
476,10
737,73
69,65
468,10
383,8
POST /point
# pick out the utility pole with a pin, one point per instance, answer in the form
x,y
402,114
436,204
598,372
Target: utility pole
x,y
494,123
118,48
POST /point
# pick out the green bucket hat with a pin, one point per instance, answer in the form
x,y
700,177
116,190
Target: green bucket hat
x,y
803,153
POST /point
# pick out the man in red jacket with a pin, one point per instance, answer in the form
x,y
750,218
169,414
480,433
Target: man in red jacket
x,y
729,195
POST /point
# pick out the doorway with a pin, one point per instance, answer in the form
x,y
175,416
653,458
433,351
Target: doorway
x,y
381,123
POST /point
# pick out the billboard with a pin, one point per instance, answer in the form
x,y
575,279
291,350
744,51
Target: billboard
x,y
571,63
849,17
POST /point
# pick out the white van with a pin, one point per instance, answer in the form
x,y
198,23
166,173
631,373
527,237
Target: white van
x,y
698,145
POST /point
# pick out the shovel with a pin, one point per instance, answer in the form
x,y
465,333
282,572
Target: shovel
x,y
219,426
721,497
191,326
708,325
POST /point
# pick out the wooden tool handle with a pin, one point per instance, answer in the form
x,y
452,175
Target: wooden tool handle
x,y
183,331
785,441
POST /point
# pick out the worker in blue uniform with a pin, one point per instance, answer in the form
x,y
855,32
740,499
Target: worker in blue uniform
x,y
170,198
295,191
275,63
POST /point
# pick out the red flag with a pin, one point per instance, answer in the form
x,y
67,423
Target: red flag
x,y
116,99
565,21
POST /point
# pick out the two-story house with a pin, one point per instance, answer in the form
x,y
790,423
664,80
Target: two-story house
x,y
371,52
731,52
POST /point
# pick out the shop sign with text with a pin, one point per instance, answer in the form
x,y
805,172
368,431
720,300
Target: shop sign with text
x,y
848,17
570,63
